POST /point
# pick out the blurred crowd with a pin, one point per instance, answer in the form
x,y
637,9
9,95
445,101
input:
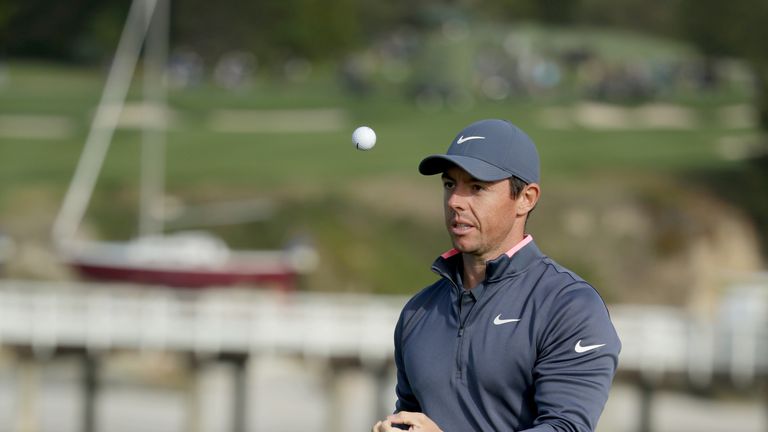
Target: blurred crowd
x,y
451,68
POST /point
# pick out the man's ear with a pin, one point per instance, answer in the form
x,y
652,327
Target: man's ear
x,y
528,198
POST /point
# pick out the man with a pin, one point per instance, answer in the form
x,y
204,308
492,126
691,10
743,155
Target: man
x,y
506,339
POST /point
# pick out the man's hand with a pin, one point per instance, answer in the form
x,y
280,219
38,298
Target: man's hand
x,y
414,421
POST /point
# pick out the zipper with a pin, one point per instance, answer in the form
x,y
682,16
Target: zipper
x,y
459,347
460,333
460,343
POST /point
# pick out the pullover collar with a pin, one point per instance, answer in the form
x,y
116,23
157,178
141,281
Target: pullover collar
x,y
449,265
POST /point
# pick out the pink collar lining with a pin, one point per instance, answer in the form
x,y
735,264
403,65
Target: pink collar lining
x,y
521,244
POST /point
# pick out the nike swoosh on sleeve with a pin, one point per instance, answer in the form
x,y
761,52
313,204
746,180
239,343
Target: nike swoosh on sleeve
x,y
584,348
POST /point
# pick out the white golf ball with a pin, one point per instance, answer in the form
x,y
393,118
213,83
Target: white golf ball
x,y
364,138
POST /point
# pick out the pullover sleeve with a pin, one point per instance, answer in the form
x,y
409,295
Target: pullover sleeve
x,y
577,359
406,400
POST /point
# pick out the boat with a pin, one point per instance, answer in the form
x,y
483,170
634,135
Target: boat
x,y
186,259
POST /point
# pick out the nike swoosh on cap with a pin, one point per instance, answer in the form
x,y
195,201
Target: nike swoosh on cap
x,y
463,139
582,349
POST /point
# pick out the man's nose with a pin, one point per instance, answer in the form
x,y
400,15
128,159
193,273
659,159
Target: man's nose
x,y
456,200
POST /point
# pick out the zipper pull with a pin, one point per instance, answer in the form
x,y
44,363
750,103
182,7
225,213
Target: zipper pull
x,y
461,331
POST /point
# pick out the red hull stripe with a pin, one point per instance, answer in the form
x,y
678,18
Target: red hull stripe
x,y
190,279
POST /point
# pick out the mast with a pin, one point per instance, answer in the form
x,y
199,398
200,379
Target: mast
x,y
155,114
105,121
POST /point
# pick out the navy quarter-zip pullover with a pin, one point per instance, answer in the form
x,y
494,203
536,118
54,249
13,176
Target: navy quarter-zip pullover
x,y
536,352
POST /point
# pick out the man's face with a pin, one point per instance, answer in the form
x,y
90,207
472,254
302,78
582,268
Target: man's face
x,y
479,215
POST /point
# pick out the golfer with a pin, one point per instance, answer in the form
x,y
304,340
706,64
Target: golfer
x,y
506,339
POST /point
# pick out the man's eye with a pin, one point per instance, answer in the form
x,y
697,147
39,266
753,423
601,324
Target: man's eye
x,y
477,187
448,185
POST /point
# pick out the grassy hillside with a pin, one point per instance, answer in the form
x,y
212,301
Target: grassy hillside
x,y
376,222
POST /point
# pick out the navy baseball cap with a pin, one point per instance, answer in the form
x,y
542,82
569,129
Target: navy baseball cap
x,y
489,150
